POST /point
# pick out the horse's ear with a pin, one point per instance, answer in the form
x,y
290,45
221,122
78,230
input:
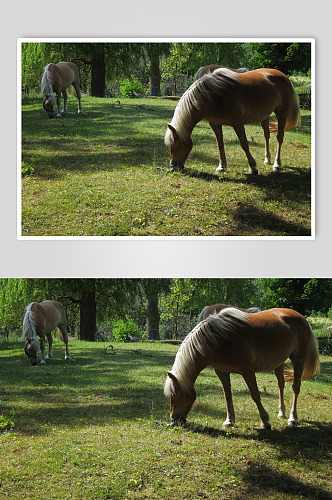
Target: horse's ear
x,y
172,129
172,377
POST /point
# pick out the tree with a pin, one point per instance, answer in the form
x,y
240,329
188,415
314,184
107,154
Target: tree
x,y
97,62
287,57
152,288
305,295
86,300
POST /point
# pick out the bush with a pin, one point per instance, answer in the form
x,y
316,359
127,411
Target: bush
x,y
129,86
124,328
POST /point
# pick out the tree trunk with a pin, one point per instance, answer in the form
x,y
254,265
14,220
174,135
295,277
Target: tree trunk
x,y
98,73
152,323
154,80
88,316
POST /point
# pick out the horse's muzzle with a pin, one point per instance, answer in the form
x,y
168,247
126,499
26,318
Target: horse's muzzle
x,y
178,420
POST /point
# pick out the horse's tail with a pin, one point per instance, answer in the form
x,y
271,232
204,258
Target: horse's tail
x,y
312,363
74,91
293,118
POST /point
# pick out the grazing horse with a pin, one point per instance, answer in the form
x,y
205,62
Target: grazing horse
x,y
212,67
41,319
56,78
216,308
234,341
226,97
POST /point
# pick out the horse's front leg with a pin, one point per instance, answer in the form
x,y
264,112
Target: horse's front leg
x,y
50,342
217,129
42,349
58,101
266,130
250,379
64,109
226,384
241,133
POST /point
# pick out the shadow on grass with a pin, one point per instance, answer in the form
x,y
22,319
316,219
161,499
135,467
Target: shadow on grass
x,y
260,479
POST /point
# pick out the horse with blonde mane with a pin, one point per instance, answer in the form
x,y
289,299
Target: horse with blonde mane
x,y
56,78
234,341
40,320
227,97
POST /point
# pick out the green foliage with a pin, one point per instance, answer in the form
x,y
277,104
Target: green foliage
x,y
304,295
27,168
287,57
7,423
124,328
131,85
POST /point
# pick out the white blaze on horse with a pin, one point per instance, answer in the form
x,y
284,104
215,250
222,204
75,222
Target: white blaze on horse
x,y
228,97
56,78
234,341
39,320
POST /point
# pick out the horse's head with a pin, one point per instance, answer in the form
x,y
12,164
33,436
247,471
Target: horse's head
x,y
181,402
30,350
48,106
179,149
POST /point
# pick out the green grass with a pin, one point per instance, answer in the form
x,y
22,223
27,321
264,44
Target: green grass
x,y
105,173
95,428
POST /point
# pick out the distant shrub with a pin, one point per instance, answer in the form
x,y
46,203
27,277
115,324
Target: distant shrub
x,y
124,328
129,86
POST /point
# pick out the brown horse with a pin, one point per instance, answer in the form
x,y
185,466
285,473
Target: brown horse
x,y
234,341
56,78
41,319
226,97
216,308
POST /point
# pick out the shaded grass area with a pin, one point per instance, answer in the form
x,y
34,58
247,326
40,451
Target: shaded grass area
x,y
95,428
105,173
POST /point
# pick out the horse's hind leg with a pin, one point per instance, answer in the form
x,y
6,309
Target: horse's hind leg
x,y
62,333
279,373
298,370
217,129
251,382
78,95
241,133
280,137
266,130
226,384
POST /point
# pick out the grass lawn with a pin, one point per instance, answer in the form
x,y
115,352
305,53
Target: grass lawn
x,y
95,428
105,173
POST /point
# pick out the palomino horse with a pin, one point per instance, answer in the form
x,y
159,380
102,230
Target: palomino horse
x,y
234,341
226,97
56,78
216,308
41,319
212,67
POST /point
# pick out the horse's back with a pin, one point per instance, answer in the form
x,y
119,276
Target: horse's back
x,y
51,314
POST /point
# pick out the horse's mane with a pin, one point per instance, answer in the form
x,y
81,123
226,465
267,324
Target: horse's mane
x,y
202,339
29,323
196,96
47,84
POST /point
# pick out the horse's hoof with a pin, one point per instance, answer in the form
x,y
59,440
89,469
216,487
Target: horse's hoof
x,y
43,362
